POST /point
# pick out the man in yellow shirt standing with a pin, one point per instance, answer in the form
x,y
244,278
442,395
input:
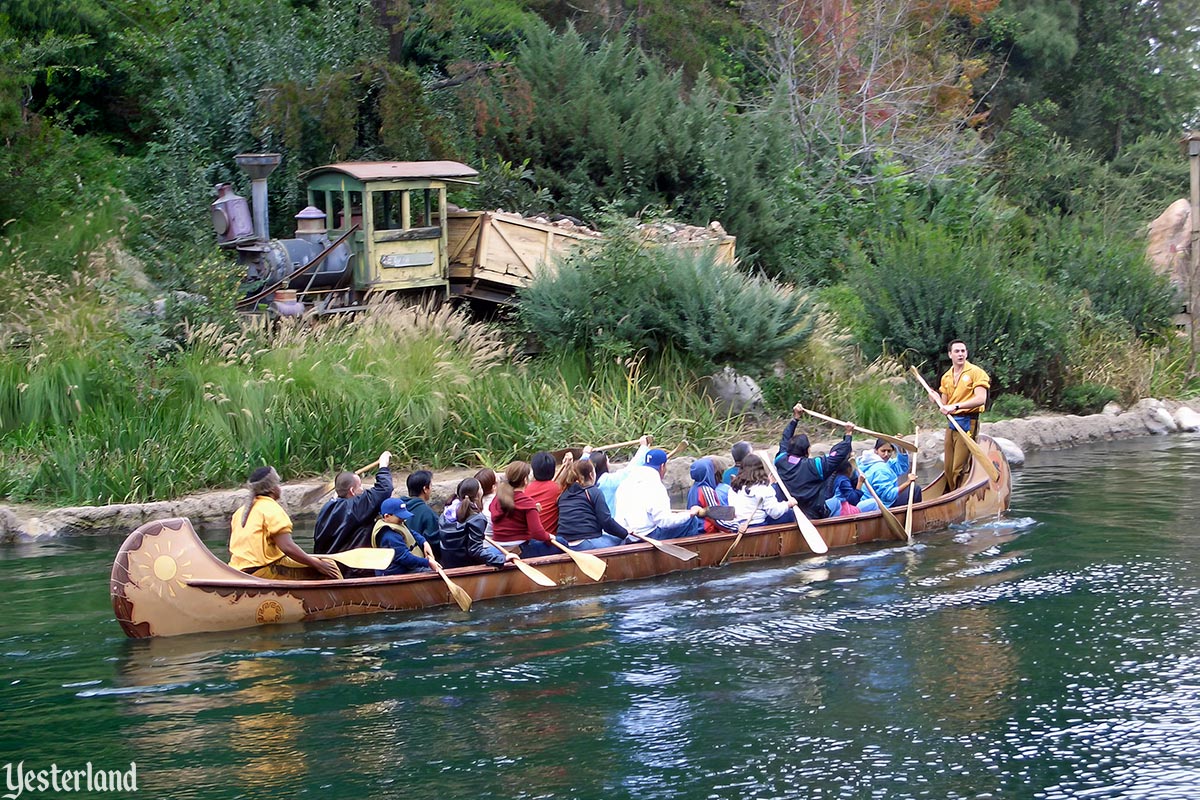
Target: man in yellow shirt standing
x,y
260,537
964,394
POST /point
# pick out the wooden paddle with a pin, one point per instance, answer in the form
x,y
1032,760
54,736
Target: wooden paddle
x,y
588,564
675,550
895,440
559,454
893,524
912,490
363,557
533,573
457,592
809,531
740,532
313,495
972,445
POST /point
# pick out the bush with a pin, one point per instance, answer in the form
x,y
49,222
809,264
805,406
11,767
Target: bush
x,y
1011,406
1087,398
625,296
926,286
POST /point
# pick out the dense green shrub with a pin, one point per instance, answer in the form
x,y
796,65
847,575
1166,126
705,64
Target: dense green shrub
x,y
1011,406
1087,398
626,295
924,287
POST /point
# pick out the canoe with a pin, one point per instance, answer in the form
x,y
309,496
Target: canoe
x,y
165,582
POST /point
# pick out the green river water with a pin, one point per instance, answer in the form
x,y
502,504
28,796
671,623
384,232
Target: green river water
x,y
1051,654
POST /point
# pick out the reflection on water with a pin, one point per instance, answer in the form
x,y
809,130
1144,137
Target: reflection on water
x,y
1051,654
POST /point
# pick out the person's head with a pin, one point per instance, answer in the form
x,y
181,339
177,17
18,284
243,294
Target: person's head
x,y
703,472
347,484
739,452
487,480
957,350
582,472
752,473
599,460
542,464
657,459
419,483
798,445
884,449
394,510
847,468
516,476
265,481
469,495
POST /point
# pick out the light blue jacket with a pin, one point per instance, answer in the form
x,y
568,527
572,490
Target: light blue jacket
x,y
884,476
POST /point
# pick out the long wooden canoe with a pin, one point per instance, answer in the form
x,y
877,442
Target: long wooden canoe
x,y
165,582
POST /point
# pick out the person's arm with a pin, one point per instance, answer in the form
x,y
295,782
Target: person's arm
x,y
533,524
770,504
287,544
605,517
839,453
978,399
789,430
660,509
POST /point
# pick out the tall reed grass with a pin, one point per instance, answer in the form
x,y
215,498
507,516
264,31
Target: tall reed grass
x,y
127,414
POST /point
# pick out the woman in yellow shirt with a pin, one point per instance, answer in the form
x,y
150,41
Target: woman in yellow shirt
x,y
260,538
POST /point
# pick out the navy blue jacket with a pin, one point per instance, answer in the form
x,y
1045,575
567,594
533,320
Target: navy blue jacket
x,y
345,523
805,477
583,514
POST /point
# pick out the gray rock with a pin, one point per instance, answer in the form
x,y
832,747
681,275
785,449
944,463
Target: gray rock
x,y
1014,454
733,393
1187,419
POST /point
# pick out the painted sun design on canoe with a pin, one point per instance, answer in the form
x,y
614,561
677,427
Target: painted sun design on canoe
x,y
161,567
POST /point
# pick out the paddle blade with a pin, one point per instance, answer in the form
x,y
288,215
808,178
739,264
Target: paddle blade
x,y
534,574
588,564
720,512
812,537
364,557
457,592
682,553
315,494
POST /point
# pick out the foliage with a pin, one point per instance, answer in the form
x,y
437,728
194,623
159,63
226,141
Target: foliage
x,y
509,186
926,287
1011,406
1087,398
627,295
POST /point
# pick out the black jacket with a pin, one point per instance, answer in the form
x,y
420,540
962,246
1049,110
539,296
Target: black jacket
x,y
583,514
463,545
805,477
345,522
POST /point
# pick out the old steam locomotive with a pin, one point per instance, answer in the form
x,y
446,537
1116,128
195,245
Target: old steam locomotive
x,y
370,228
378,228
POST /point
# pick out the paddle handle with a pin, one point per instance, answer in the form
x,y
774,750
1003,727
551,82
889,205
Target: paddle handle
x,y
368,467
615,446
895,440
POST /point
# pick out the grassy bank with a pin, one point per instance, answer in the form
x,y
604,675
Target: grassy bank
x,y
120,418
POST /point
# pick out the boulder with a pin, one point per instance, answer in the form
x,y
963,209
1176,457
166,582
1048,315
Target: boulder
x,y
1014,454
1187,419
732,392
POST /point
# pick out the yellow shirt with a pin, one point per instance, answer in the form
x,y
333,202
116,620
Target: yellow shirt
x,y
964,389
253,544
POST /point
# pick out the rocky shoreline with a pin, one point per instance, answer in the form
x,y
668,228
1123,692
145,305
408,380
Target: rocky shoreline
x,y
1016,436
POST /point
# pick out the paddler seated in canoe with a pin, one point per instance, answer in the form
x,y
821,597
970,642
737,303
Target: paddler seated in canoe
x,y
705,493
515,518
344,523
643,505
463,531
412,553
803,476
890,477
607,479
544,490
424,520
752,496
260,536
584,519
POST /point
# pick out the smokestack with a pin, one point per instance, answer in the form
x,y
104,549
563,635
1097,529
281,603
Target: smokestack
x,y
258,166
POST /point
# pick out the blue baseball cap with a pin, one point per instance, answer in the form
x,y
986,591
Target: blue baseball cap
x,y
656,457
395,506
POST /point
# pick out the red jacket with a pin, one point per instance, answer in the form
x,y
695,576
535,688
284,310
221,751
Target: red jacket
x,y
519,524
546,493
